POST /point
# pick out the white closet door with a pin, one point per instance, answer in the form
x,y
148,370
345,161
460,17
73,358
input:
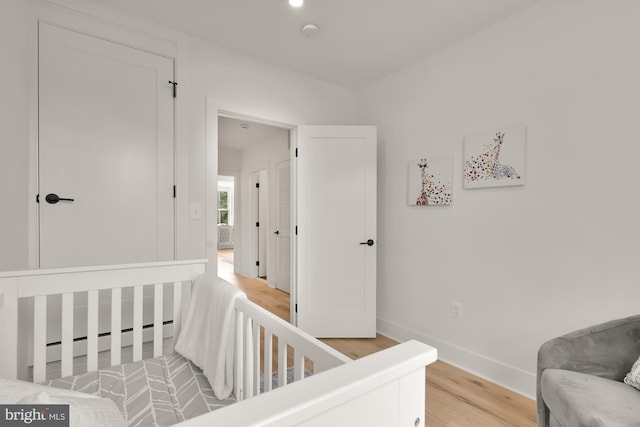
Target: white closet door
x,y
106,129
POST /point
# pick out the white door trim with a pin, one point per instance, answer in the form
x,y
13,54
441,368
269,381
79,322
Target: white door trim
x,y
218,108
258,216
109,24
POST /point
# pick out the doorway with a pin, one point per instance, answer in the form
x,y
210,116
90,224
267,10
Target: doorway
x,y
300,195
253,151
226,223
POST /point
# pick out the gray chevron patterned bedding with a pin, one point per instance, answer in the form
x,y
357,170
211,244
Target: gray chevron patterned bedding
x,y
152,392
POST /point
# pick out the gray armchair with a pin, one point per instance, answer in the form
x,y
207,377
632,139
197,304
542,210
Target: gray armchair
x,y
579,378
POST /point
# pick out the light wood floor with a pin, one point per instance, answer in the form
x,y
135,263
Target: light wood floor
x,y
455,398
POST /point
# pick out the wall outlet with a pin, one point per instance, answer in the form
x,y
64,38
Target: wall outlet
x,y
456,310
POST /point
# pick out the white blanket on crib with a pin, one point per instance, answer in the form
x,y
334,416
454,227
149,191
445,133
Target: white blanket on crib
x,y
207,336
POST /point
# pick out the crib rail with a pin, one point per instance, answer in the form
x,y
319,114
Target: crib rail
x,y
24,302
384,389
266,344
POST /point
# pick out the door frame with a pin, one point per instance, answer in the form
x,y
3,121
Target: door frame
x,y
257,215
109,24
218,108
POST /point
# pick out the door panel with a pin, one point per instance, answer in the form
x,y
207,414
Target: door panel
x,y
336,213
283,224
106,141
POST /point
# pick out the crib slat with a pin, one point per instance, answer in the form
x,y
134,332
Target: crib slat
x,y
67,335
137,322
116,326
157,320
268,359
248,358
282,362
177,308
39,339
92,331
256,358
298,366
238,386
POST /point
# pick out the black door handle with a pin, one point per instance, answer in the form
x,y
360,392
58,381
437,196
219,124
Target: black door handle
x,y
369,242
53,199
277,232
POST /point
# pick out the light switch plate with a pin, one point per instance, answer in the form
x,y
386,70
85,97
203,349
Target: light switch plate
x,y
196,210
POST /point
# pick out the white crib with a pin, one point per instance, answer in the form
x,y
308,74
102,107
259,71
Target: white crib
x,y
384,389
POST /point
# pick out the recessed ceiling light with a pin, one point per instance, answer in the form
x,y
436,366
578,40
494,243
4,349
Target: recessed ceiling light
x,y
296,3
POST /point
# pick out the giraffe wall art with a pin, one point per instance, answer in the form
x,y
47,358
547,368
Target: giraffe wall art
x,y
495,158
430,181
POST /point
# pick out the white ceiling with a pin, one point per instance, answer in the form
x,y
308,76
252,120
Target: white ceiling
x,y
232,135
360,41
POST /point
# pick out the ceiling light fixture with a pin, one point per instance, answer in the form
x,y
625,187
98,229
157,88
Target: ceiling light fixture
x,y
310,30
296,3
244,126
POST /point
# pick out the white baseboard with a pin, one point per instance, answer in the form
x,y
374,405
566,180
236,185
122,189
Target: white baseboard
x,y
509,377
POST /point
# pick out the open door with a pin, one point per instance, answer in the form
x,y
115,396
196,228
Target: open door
x,y
336,231
283,224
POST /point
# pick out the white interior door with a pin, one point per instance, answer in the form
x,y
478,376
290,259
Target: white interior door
x,y
283,224
336,216
105,141
262,222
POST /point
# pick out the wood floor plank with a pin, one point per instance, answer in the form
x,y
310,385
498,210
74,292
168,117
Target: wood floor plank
x,y
455,398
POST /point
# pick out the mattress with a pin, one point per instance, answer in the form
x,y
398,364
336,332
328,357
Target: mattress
x,y
153,392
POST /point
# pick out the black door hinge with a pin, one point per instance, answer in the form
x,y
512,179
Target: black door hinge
x,y
257,263
174,191
257,185
296,230
296,152
257,224
296,308
175,90
37,198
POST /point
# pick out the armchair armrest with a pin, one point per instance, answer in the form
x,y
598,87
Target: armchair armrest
x,y
606,350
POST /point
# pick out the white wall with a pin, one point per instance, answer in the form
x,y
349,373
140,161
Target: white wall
x,y
527,263
229,161
14,135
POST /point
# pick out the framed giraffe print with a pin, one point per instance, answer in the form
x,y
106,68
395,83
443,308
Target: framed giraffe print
x,y
430,181
495,158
